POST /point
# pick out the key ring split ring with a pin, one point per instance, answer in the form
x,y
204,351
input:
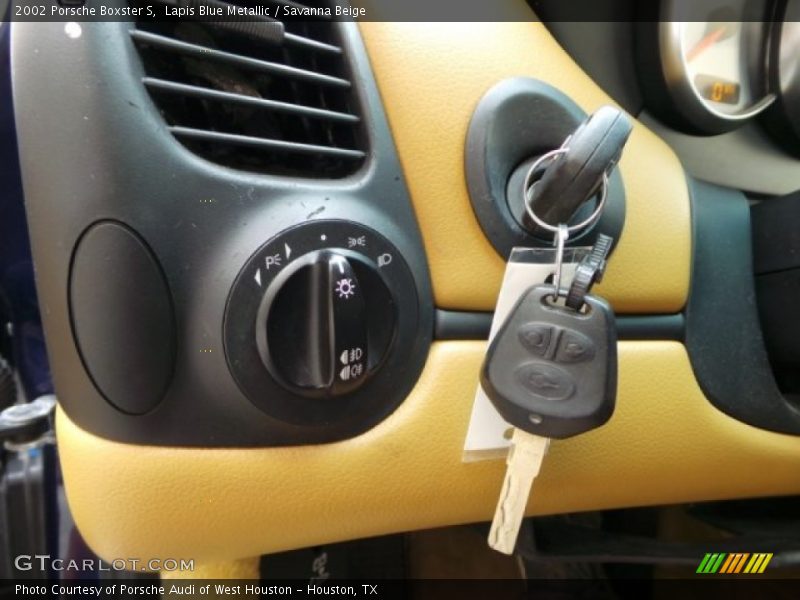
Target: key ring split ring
x,y
528,192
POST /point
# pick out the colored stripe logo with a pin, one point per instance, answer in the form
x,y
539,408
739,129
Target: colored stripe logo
x,y
734,563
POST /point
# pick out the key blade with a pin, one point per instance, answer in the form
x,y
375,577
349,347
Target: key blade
x,y
523,463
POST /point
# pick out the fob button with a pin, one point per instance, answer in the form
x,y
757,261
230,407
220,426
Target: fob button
x,y
536,337
574,347
546,381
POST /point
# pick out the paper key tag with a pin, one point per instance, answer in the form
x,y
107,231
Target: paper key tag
x,y
526,267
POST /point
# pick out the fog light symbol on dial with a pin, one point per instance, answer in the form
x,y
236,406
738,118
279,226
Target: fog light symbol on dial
x,y
352,355
352,368
351,372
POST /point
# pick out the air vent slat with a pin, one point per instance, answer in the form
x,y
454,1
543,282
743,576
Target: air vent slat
x,y
196,50
312,44
264,30
244,140
273,96
201,92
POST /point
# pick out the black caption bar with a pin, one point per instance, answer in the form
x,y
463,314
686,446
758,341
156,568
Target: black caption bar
x,y
358,10
464,589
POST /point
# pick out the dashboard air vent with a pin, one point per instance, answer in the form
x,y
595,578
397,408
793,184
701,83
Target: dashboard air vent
x,y
260,95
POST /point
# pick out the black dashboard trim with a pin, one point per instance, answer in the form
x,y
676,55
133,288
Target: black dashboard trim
x,y
723,332
463,325
202,222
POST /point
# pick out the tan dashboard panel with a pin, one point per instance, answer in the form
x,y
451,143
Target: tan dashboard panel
x,y
665,444
431,77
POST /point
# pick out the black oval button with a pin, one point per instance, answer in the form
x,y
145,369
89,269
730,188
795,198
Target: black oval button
x,y
122,317
574,347
536,337
546,381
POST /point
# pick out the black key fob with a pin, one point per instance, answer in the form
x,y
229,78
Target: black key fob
x,y
552,370
594,149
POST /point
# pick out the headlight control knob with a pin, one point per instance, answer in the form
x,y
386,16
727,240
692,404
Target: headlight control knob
x,y
326,323
322,324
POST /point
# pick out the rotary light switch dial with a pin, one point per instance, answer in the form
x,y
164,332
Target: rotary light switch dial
x,y
317,339
320,325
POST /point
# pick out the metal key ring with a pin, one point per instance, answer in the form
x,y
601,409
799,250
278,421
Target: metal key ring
x,y
528,192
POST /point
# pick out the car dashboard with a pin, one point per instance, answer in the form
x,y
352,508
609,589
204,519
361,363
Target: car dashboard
x,y
194,188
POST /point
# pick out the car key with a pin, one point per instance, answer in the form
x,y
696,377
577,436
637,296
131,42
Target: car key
x,y
576,173
551,372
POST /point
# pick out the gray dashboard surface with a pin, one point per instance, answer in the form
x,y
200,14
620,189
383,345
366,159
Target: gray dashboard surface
x,y
745,159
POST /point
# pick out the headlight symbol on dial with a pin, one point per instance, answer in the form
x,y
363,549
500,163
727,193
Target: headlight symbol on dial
x,y
345,288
